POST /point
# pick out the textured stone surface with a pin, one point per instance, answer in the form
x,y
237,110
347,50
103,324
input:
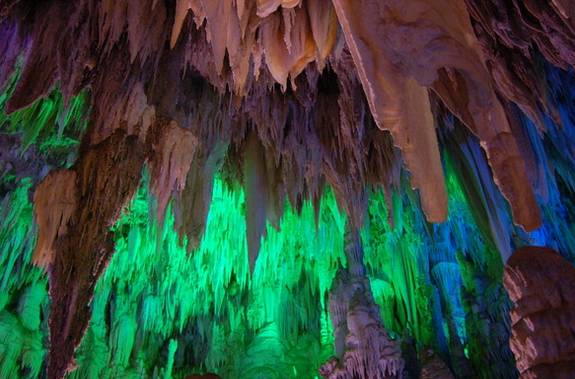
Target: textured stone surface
x,y
55,201
433,366
541,285
362,346
83,252
245,47
421,38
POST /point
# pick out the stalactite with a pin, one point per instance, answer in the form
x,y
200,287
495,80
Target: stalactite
x,y
10,49
409,70
398,104
39,69
193,203
170,162
549,26
290,36
257,194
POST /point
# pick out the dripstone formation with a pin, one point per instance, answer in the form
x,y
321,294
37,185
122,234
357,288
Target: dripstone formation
x,y
288,98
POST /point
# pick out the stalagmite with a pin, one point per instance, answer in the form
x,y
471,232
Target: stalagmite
x,y
362,345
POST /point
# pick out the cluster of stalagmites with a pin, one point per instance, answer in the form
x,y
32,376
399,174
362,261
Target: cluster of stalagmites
x,y
365,349
541,285
286,96
362,346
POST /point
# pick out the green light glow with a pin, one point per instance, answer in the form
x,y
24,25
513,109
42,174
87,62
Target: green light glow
x,y
161,312
23,290
154,297
392,255
240,326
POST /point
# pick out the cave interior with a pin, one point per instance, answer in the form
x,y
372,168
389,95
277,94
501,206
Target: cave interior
x,y
287,189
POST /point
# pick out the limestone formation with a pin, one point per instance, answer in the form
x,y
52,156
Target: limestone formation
x,y
541,285
287,97
363,347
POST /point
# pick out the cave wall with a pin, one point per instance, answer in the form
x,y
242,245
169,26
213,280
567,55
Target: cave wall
x,y
541,285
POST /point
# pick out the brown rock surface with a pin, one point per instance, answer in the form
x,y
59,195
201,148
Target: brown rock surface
x,y
541,285
204,376
82,254
422,37
55,201
433,366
